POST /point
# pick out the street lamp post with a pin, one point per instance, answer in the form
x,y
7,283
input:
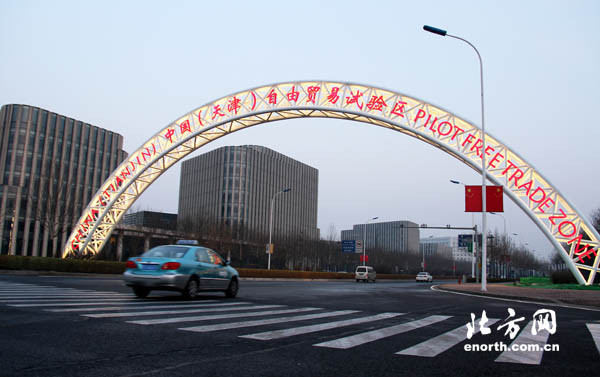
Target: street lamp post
x,y
443,33
270,250
365,240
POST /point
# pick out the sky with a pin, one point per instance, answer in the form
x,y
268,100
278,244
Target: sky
x,y
135,66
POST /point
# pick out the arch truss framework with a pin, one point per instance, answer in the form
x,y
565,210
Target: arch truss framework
x,y
569,231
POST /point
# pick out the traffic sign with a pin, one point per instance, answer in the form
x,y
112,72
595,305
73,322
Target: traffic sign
x,y
359,246
269,249
348,246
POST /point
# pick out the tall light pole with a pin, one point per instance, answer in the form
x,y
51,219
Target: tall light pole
x,y
443,33
365,240
270,250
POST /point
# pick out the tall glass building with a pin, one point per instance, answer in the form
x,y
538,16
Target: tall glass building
x,y
50,166
234,185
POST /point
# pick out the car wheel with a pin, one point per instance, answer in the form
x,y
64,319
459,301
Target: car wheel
x,y
357,280
141,292
233,288
191,289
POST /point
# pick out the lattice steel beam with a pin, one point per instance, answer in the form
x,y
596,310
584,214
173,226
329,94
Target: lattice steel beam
x,y
568,230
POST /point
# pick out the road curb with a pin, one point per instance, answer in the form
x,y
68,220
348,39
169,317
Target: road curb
x,y
508,297
528,300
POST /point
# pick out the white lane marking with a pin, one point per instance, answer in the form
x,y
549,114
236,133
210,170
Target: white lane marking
x,y
62,295
70,299
219,316
435,288
269,335
82,303
595,331
529,356
157,305
55,291
441,343
236,325
176,312
370,336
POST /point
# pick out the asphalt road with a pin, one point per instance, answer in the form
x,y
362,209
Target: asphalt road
x,y
90,326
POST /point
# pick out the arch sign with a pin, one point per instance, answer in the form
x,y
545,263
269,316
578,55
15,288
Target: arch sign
x,y
568,230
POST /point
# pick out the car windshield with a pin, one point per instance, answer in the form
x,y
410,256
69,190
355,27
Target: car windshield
x,y
361,269
168,251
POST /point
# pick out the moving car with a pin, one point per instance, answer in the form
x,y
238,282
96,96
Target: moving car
x,y
365,273
185,267
424,276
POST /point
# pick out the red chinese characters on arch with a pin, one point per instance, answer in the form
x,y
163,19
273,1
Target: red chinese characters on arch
x,y
234,105
217,111
376,103
293,95
354,98
312,93
272,97
333,97
103,199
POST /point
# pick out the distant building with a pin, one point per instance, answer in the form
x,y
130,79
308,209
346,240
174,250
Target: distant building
x,y
50,166
151,219
459,254
234,185
394,236
436,250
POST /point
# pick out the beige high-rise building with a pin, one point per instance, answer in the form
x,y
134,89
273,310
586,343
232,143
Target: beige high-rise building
x,y
50,166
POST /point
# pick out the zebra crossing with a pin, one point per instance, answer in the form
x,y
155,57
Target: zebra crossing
x,y
253,320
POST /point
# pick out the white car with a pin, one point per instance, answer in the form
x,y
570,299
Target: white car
x,y
424,276
365,273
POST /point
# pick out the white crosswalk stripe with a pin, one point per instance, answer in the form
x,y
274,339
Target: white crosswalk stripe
x,y
441,343
177,312
219,316
270,335
154,305
595,331
235,325
370,336
81,302
526,338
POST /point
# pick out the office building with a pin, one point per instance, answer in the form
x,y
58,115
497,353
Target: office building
x,y
50,166
459,254
394,236
150,219
234,185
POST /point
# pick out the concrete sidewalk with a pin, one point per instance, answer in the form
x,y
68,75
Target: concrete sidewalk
x,y
558,296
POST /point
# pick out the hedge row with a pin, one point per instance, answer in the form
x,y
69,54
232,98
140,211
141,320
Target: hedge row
x,y
11,262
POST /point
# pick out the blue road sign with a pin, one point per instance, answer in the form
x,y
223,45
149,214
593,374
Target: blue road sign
x,y
348,246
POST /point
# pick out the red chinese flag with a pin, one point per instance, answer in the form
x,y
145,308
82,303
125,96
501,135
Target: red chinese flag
x,y
494,199
365,259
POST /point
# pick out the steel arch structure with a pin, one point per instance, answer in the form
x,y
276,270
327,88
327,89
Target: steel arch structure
x,y
568,230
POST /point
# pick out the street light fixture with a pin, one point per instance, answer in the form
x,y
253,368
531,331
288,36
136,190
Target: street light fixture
x,y
503,218
270,251
365,240
443,33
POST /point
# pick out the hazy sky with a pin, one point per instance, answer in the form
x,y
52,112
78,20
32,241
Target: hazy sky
x,y
135,66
